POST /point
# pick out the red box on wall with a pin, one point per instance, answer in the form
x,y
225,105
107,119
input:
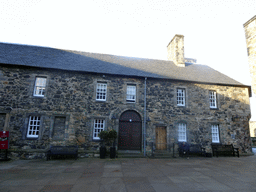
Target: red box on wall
x,y
4,139
4,145
4,134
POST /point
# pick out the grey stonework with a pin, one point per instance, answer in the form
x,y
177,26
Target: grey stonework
x,y
250,35
70,98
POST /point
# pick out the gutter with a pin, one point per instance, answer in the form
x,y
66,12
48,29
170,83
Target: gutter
x,y
145,113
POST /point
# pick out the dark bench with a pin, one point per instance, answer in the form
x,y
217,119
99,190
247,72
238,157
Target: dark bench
x,y
229,150
62,151
191,149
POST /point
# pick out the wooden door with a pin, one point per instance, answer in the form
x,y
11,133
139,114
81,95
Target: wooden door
x,y
130,127
161,141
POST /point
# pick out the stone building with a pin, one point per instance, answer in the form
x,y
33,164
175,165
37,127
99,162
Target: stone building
x,y
61,97
250,35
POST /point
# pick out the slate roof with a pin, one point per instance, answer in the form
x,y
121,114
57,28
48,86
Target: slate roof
x,y
43,57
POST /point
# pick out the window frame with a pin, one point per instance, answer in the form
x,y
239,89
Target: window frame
x,y
106,90
31,136
215,106
181,132
183,97
40,86
216,127
134,91
94,128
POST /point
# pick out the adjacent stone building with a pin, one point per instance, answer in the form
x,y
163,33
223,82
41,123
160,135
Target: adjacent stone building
x,y
250,35
61,97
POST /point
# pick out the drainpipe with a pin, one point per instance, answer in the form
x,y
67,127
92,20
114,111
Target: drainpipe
x,y
145,113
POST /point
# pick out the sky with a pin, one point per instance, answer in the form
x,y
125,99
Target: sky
x,y
213,29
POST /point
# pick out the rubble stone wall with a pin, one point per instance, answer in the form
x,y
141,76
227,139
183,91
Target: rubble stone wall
x,y
70,100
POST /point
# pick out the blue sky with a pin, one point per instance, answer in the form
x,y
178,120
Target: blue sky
x,y
213,30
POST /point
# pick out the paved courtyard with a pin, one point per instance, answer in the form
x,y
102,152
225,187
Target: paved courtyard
x,y
91,174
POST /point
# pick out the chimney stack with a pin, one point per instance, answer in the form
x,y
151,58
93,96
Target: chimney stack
x,y
175,50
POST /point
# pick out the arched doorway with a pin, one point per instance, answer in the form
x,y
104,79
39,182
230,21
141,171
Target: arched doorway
x,y
130,127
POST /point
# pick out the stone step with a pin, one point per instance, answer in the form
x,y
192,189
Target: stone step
x,y
130,155
162,156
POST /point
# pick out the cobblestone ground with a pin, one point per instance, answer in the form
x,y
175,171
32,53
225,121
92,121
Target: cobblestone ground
x,y
91,174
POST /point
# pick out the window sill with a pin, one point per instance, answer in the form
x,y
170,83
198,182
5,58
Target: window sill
x,y
130,102
214,108
96,140
31,138
216,143
37,96
101,101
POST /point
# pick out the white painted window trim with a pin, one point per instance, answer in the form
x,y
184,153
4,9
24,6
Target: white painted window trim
x,y
101,91
215,134
213,99
98,126
181,97
182,136
33,126
39,88
131,93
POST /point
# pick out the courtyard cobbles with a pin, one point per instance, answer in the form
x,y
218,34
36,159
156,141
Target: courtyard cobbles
x,y
131,175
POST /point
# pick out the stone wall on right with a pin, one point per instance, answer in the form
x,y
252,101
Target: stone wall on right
x,y
250,35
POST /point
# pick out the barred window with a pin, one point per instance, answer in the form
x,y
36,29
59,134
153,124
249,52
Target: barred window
x,y
180,97
39,89
213,99
101,92
182,132
215,134
99,125
33,126
131,93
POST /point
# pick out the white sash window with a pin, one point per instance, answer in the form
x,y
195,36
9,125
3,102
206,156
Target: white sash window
x,y
215,134
33,126
182,132
101,92
39,89
180,97
213,99
99,125
131,93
